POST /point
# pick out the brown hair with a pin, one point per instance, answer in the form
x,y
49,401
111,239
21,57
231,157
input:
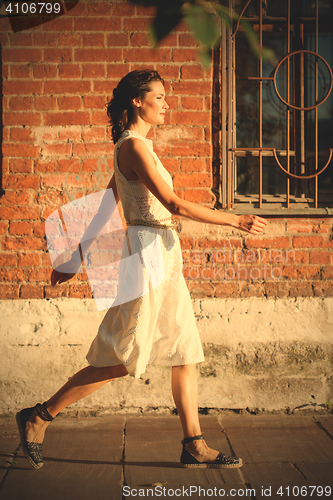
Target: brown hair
x,y
119,109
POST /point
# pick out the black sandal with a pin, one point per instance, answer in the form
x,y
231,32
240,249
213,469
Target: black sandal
x,y
221,462
32,451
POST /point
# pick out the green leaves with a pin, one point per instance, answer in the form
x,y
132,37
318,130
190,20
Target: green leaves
x,y
204,19
167,17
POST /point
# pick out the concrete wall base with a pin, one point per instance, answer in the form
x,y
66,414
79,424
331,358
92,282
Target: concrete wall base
x,y
266,354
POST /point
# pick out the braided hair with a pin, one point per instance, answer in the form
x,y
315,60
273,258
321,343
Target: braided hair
x,y
134,85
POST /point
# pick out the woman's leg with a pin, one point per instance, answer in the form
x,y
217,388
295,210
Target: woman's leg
x,y
83,383
185,394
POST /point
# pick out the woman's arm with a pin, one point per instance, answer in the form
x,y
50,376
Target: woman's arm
x,y
136,155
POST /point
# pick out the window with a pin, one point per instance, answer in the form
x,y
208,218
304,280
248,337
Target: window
x,y
273,120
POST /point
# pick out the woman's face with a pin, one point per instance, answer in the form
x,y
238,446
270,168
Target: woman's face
x,y
153,107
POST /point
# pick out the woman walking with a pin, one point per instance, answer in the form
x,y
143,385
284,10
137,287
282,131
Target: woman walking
x,y
157,327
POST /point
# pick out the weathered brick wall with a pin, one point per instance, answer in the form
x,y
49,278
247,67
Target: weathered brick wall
x,y
56,147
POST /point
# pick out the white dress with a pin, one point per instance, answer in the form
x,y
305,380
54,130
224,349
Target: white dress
x,y
159,326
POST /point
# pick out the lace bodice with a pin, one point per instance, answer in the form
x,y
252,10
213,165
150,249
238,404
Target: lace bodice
x,y
137,201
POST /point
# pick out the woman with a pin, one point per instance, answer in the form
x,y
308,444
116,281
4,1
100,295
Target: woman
x,y
158,326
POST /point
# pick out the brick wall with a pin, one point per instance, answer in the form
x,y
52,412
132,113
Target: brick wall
x,y
56,147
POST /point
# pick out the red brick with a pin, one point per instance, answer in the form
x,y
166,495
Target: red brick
x,y
22,181
168,71
46,40
70,135
104,87
136,24
94,102
97,24
69,71
320,257
323,288
20,71
151,55
17,118
45,103
95,55
192,103
21,87
23,243
32,292
66,87
99,9
191,118
20,228
201,290
21,135
29,260
193,165
194,180
3,227
60,24
21,150
192,88
301,289
327,272
51,199
14,198
93,71
21,55
124,9
9,291
8,260
58,55
93,40
138,40
51,292
39,275
308,242
187,40
185,55
69,102
58,149
276,289
20,166
99,118
44,71
190,149
45,166
22,39
68,118
19,212
301,272
69,165
254,242
78,290
11,275
198,196
69,40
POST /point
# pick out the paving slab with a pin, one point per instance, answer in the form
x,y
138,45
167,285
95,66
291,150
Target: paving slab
x,y
8,445
152,453
284,455
82,460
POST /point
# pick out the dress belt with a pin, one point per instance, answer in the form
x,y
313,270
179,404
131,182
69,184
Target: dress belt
x,y
158,224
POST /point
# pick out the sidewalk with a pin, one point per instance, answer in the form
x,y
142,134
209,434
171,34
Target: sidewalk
x,y
285,456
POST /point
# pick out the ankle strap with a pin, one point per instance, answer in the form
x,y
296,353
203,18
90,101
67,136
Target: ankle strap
x,y
190,439
43,412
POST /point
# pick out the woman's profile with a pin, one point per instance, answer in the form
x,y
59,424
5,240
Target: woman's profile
x,y
157,327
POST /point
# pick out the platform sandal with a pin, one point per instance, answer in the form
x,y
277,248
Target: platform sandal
x,y
32,451
221,462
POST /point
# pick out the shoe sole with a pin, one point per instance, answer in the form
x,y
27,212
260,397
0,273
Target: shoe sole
x,y
213,466
24,448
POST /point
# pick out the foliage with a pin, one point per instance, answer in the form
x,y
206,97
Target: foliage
x,y
204,19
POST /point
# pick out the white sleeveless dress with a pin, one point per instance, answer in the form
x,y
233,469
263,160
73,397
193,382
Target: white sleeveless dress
x,y
158,327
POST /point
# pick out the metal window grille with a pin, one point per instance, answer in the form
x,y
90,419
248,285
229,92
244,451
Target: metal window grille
x,y
273,120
